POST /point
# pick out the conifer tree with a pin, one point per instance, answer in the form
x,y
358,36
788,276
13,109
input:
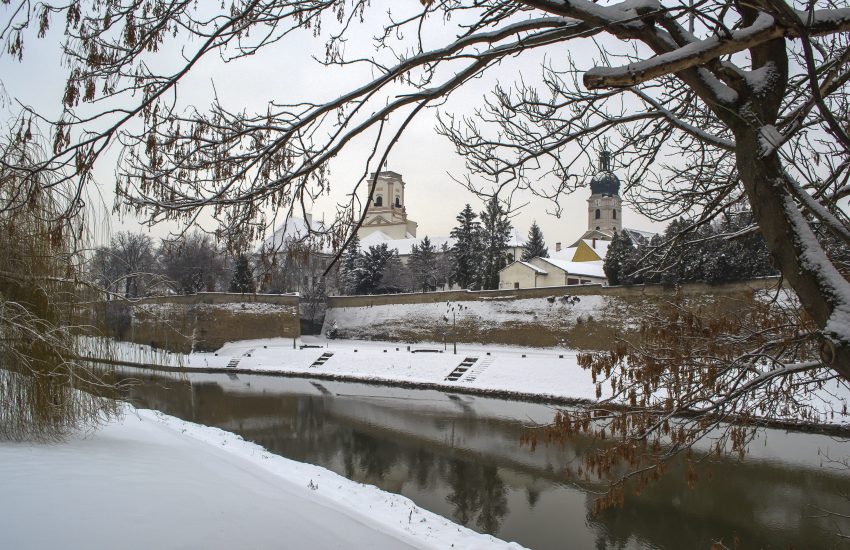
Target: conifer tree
x,y
350,269
535,246
495,232
616,258
423,265
375,261
466,252
243,276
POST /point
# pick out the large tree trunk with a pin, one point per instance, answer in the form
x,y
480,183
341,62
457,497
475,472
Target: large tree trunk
x,y
822,291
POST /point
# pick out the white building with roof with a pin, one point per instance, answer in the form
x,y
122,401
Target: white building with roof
x,y
581,262
386,222
546,272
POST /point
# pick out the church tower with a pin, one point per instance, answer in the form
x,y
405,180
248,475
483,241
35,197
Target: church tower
x,y
604,207
386,212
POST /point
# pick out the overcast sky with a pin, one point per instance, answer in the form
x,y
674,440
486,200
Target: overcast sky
x,y
287,72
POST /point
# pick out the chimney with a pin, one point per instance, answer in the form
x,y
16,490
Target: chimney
x,y
557,247
594,243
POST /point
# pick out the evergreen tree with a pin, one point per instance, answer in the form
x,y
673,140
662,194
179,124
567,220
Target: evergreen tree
x,y
495,233
243,276
423,265
396,277
466,252
375,262
711,253
350,271
535,246
616,259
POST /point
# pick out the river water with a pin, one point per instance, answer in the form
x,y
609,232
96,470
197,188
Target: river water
x,y
460,456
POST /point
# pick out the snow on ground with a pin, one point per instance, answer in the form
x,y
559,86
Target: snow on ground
x,y
548,374
534,371
154,481
496,310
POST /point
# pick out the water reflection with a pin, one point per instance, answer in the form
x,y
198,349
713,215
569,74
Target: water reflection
x,y
460,456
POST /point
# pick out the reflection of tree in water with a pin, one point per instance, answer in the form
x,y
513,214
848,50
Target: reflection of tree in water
x,y
477,489
532,496
420,467
366,457
669,512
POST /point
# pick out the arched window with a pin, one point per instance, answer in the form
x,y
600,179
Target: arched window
x,y
397,201
598,214
379,200
597,228
615,214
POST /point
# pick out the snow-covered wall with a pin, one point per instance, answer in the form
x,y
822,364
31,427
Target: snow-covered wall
x,y
201,322
582,317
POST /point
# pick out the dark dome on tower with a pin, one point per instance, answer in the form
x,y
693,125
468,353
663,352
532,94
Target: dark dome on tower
x,y
605,182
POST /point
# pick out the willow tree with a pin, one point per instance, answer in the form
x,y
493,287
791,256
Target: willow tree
x,y
45,390
708,105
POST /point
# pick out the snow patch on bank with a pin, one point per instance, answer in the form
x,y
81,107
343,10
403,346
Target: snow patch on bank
x,y
153,481
389,512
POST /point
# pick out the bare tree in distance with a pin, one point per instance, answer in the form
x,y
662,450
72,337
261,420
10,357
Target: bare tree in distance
x,y
192,264
709,105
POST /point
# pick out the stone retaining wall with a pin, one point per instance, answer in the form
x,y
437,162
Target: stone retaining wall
x,y
200,322
581,317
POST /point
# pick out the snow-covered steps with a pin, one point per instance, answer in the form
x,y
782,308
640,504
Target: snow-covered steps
x,y
234,361
478,369
461,369
322,359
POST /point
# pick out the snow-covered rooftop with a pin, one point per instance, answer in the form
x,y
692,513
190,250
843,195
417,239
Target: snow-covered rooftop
x,y
530,266
293,230
639,233
591,269
563,254
404,246
599,246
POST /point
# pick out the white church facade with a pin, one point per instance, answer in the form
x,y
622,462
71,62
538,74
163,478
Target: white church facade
x,y
386,212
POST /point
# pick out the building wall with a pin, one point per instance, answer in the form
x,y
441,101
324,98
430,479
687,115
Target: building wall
x,y
558,277
585,254
518,274
606,204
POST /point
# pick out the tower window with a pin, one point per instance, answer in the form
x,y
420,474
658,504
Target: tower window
x,y
379,200
598,214
615,214
397,201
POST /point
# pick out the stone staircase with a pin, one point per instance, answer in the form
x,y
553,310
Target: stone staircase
x,y
478,369
461,369
322,359
234,361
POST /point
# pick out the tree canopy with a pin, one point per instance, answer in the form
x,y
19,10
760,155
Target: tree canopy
x,y
710,105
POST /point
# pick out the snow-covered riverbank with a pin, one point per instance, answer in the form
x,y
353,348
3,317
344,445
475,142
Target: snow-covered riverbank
x,y
154,481
506,370
548,375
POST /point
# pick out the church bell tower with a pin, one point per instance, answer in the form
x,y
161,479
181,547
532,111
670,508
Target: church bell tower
x,y
387,213
604,207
